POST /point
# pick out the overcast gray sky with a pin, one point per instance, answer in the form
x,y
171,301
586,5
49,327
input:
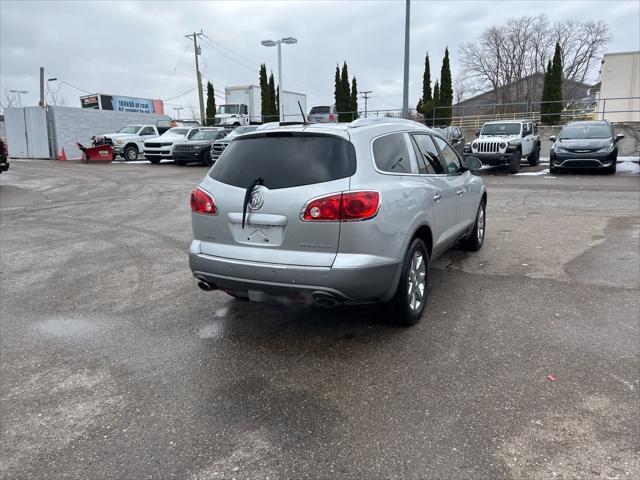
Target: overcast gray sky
x,y
139,48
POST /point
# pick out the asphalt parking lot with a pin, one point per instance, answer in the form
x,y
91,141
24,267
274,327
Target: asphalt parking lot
x,y
114,365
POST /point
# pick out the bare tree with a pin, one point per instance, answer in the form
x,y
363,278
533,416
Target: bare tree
x,y
506,55
8,100
582,44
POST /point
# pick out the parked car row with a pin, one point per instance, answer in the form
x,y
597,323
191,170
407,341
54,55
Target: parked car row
x,y
585,144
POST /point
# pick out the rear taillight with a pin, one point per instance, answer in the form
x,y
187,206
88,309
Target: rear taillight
x,y
346,206
202,202
332,117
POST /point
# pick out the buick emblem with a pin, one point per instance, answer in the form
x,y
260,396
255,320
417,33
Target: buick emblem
x,y
256,201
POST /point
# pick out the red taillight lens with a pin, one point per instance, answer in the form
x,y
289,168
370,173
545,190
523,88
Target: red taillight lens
x,y
201,202
359,205
343,206
332,117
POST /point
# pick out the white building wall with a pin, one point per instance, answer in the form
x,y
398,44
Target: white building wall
x,y
70,125
620,77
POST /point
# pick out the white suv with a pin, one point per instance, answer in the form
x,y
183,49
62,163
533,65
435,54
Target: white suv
x,y
505,143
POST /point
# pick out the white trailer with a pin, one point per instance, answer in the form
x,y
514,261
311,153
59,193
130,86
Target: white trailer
x,y
290,108
243,106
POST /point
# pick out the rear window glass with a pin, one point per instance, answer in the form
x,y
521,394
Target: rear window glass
x,y
285,159
391,154
320,110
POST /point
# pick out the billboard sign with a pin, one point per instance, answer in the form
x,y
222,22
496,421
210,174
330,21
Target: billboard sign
x,y
122,104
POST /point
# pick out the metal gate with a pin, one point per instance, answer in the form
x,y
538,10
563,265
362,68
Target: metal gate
x,y
27,134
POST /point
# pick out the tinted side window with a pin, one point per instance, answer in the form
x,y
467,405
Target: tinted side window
x,y
391,154
147,131
450,160
428,154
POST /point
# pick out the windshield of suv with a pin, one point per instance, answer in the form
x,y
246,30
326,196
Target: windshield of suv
x,y
208,135
176,131
228,109
285,159
130,129
501,129
320,110
574,132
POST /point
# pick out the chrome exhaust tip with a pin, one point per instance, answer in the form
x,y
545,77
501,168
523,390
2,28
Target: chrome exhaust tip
x,y
325,300
207,287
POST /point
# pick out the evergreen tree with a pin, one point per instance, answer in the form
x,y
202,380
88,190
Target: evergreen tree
x,y
273,100
345,95
446,91
546,87
555,91
436,103
338,91
265,92
425,102
354,98
211,106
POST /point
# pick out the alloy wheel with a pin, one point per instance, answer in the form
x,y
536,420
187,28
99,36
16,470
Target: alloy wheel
x,y
416,281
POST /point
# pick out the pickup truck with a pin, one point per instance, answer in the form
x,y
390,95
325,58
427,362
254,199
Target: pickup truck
x,y
129,140
506,142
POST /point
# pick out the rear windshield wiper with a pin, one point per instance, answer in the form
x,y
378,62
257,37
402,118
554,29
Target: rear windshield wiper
x,y
247,196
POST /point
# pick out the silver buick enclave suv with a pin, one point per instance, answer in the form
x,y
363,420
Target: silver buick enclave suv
x,y
337,214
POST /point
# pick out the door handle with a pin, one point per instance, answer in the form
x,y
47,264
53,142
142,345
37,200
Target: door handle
x,y
460,192
437,197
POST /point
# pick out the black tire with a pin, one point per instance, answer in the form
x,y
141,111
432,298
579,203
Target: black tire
x,y
612,169
475,240
155,160
401,312
206,158
553,170
534,156
130,153
514,163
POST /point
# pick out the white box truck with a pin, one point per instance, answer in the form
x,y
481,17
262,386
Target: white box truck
x,y
243,106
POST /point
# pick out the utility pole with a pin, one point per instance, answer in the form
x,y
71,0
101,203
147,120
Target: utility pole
x,y
365,94
405,87
41,87
197,51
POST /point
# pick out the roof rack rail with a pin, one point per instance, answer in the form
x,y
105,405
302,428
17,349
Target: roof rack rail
x,y
363,122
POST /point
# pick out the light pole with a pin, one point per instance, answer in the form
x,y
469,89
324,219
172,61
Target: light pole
x,y
19,98
405,86
365,94
49,80
278,43
177,109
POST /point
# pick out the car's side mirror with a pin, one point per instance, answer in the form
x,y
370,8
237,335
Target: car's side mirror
x,y
471,163
552,138
455,141
477,133
619,137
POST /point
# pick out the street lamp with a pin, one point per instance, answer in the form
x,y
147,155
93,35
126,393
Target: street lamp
x,y
19,98
273,43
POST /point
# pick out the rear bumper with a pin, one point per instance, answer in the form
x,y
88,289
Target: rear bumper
x,y
364,283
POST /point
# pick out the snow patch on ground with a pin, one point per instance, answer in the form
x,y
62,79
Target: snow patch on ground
x,y
627,167
540,173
